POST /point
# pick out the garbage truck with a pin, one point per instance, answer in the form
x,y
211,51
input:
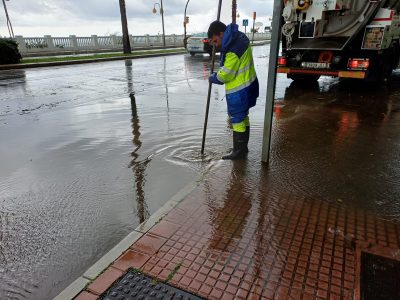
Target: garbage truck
x,y
340,38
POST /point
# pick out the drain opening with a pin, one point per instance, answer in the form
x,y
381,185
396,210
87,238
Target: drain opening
x,y
380,277
136,285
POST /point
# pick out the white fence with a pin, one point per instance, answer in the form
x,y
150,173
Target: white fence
x,y
94,43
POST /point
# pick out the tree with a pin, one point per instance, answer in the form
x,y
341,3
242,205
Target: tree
x,y
125,33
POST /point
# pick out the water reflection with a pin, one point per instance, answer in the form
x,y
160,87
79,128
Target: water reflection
x,y
268,255
138,167
14,77
337,144
166,84
229,219
197,65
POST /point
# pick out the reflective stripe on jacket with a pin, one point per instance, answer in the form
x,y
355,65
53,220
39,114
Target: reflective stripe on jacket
x,y
238,74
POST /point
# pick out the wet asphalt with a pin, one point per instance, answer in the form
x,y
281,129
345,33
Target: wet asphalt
x,y
82,164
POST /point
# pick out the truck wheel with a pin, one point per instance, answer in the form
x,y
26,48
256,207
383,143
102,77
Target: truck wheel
x,y
387,63
303,78
396,56
192,53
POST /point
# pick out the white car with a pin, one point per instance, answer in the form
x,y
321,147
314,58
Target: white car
x,y
198,43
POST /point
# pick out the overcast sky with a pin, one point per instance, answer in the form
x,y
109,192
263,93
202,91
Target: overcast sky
x,y
102,17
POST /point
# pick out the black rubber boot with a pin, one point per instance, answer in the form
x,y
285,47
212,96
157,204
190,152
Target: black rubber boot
x,y
247,137
239,146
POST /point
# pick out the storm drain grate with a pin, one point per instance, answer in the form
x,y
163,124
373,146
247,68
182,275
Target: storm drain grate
x,y
135,285
380,277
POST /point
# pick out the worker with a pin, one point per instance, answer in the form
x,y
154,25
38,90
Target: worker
x,y
238,74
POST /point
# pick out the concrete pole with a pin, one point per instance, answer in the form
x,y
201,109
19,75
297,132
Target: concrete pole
x,y
125,33
271,84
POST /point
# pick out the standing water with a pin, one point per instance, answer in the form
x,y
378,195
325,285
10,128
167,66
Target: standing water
x,y
82,165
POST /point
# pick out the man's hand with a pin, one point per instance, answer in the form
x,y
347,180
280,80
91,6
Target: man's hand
x,y
213,79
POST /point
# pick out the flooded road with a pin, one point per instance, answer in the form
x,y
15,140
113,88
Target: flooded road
x,y
81,166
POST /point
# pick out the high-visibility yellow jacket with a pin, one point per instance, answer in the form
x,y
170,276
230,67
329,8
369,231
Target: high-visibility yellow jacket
x,y
238,74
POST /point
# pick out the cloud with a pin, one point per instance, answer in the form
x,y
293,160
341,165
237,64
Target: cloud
x,y
55,17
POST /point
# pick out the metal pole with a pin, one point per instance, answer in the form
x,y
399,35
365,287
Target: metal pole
x,y
210,86
271,84
234,8
125,34
162,19
184,25
9,26
254,22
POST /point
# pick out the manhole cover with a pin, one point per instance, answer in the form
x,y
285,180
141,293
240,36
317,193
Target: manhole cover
x,y
135,285
380,278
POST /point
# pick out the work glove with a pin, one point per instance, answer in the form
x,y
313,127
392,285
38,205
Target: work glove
x,y
213,79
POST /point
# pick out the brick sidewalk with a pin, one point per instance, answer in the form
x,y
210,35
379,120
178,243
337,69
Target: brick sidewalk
x,y
239,238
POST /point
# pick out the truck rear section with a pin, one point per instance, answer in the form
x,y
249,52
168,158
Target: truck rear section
x,y
340,38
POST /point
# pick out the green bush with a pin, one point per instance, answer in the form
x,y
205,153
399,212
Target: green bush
x,y
9,53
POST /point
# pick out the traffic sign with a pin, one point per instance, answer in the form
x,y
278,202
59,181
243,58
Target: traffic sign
x,y
245,22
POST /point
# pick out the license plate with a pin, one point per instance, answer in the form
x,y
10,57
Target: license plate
x,y
313,65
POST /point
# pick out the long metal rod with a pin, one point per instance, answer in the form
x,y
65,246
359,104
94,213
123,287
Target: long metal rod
x,y
234,9
254,24
271,85
210,86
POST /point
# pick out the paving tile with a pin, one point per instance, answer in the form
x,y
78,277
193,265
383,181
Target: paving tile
x,y
86,296
131,259
185,282
243,294
105,280
205,290
279,249
149,244
195,285
164,229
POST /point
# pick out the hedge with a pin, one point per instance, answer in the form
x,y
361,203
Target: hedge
x,y
9,53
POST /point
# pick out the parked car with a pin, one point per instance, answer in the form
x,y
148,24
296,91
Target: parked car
x,y
198,43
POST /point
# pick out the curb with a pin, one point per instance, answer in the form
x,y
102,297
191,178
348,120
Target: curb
x,y
72,52
95,270
84,61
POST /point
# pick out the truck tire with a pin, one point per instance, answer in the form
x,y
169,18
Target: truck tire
x,y
387,64
192,53
396,55
303,78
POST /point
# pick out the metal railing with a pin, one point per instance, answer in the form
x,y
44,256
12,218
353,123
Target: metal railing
x,y
94,43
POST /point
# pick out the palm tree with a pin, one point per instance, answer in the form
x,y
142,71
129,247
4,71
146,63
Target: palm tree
x,y
125,33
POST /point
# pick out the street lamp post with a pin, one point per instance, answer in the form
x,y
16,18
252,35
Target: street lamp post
x,y
162,17
9,26
184,25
